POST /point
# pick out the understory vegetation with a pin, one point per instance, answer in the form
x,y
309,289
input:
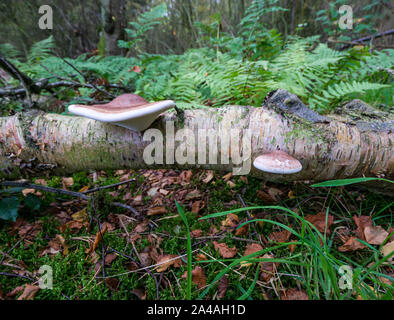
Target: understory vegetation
x,y
302,236
227,69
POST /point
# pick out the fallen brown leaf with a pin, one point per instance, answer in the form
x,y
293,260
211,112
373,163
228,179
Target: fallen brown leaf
x,y
15,291
145,259
97,239
209,177
67,182
81,216
231,221
222,287
212,231
156,211
275,194
250,249
73,225
112,283
227,176
375,235
291,194
195,194
167,261
242,231
388,249
109,258
268,268
231,184
292,247
197,206
29,292
164,192
140,293
83,189
244,179
185,177
125,177
294,294
351,245
386,280
25,192
362,222
58,244
41,182
142,227
224,250
196,233
201,257
30,231
137,200
265,196
280,236
319,221
198,277
391,231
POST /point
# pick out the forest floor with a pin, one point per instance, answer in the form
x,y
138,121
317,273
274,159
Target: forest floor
x,y
99,251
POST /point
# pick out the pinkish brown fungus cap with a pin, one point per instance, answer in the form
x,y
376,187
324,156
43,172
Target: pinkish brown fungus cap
x,y
128,110
277,162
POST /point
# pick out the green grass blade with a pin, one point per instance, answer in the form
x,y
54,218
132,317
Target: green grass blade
x,y
345,182
189,251
247,294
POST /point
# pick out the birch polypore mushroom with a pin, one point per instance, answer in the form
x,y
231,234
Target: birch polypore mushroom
x,y
128,110
277,162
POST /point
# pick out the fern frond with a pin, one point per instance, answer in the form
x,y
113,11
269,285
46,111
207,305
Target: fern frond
x,y
339,91
9,51
40,50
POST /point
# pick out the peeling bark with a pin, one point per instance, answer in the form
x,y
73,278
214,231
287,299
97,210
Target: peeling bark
x,y
350,144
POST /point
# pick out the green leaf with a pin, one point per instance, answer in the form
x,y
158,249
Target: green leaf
x,y
32,202
9,208
12,190
345,182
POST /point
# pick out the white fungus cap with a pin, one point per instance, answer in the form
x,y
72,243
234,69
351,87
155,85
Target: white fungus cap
x,y
277,162
128,110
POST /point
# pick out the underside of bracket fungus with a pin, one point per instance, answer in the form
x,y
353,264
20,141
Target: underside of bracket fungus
x,y
128,110
277,162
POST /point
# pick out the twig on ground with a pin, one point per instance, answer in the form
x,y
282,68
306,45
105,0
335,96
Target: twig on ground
x,y
109,186
74,194
28,185
16,276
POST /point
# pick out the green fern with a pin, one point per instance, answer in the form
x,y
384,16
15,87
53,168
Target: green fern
x,y
9,51
40,50
146,22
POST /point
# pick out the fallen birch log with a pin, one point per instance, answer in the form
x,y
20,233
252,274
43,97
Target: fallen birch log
x,y
356,142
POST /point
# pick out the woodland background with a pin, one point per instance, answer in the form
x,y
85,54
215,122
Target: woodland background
x,y
78,23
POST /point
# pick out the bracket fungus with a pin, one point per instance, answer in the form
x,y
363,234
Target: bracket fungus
x,y
128,110
277,162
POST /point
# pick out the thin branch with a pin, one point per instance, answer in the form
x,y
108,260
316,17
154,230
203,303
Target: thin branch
x,y
368,38
79,195
109,186
94,86
28,185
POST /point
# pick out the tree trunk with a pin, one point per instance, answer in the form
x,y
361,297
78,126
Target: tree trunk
x,y
36,143
114,22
